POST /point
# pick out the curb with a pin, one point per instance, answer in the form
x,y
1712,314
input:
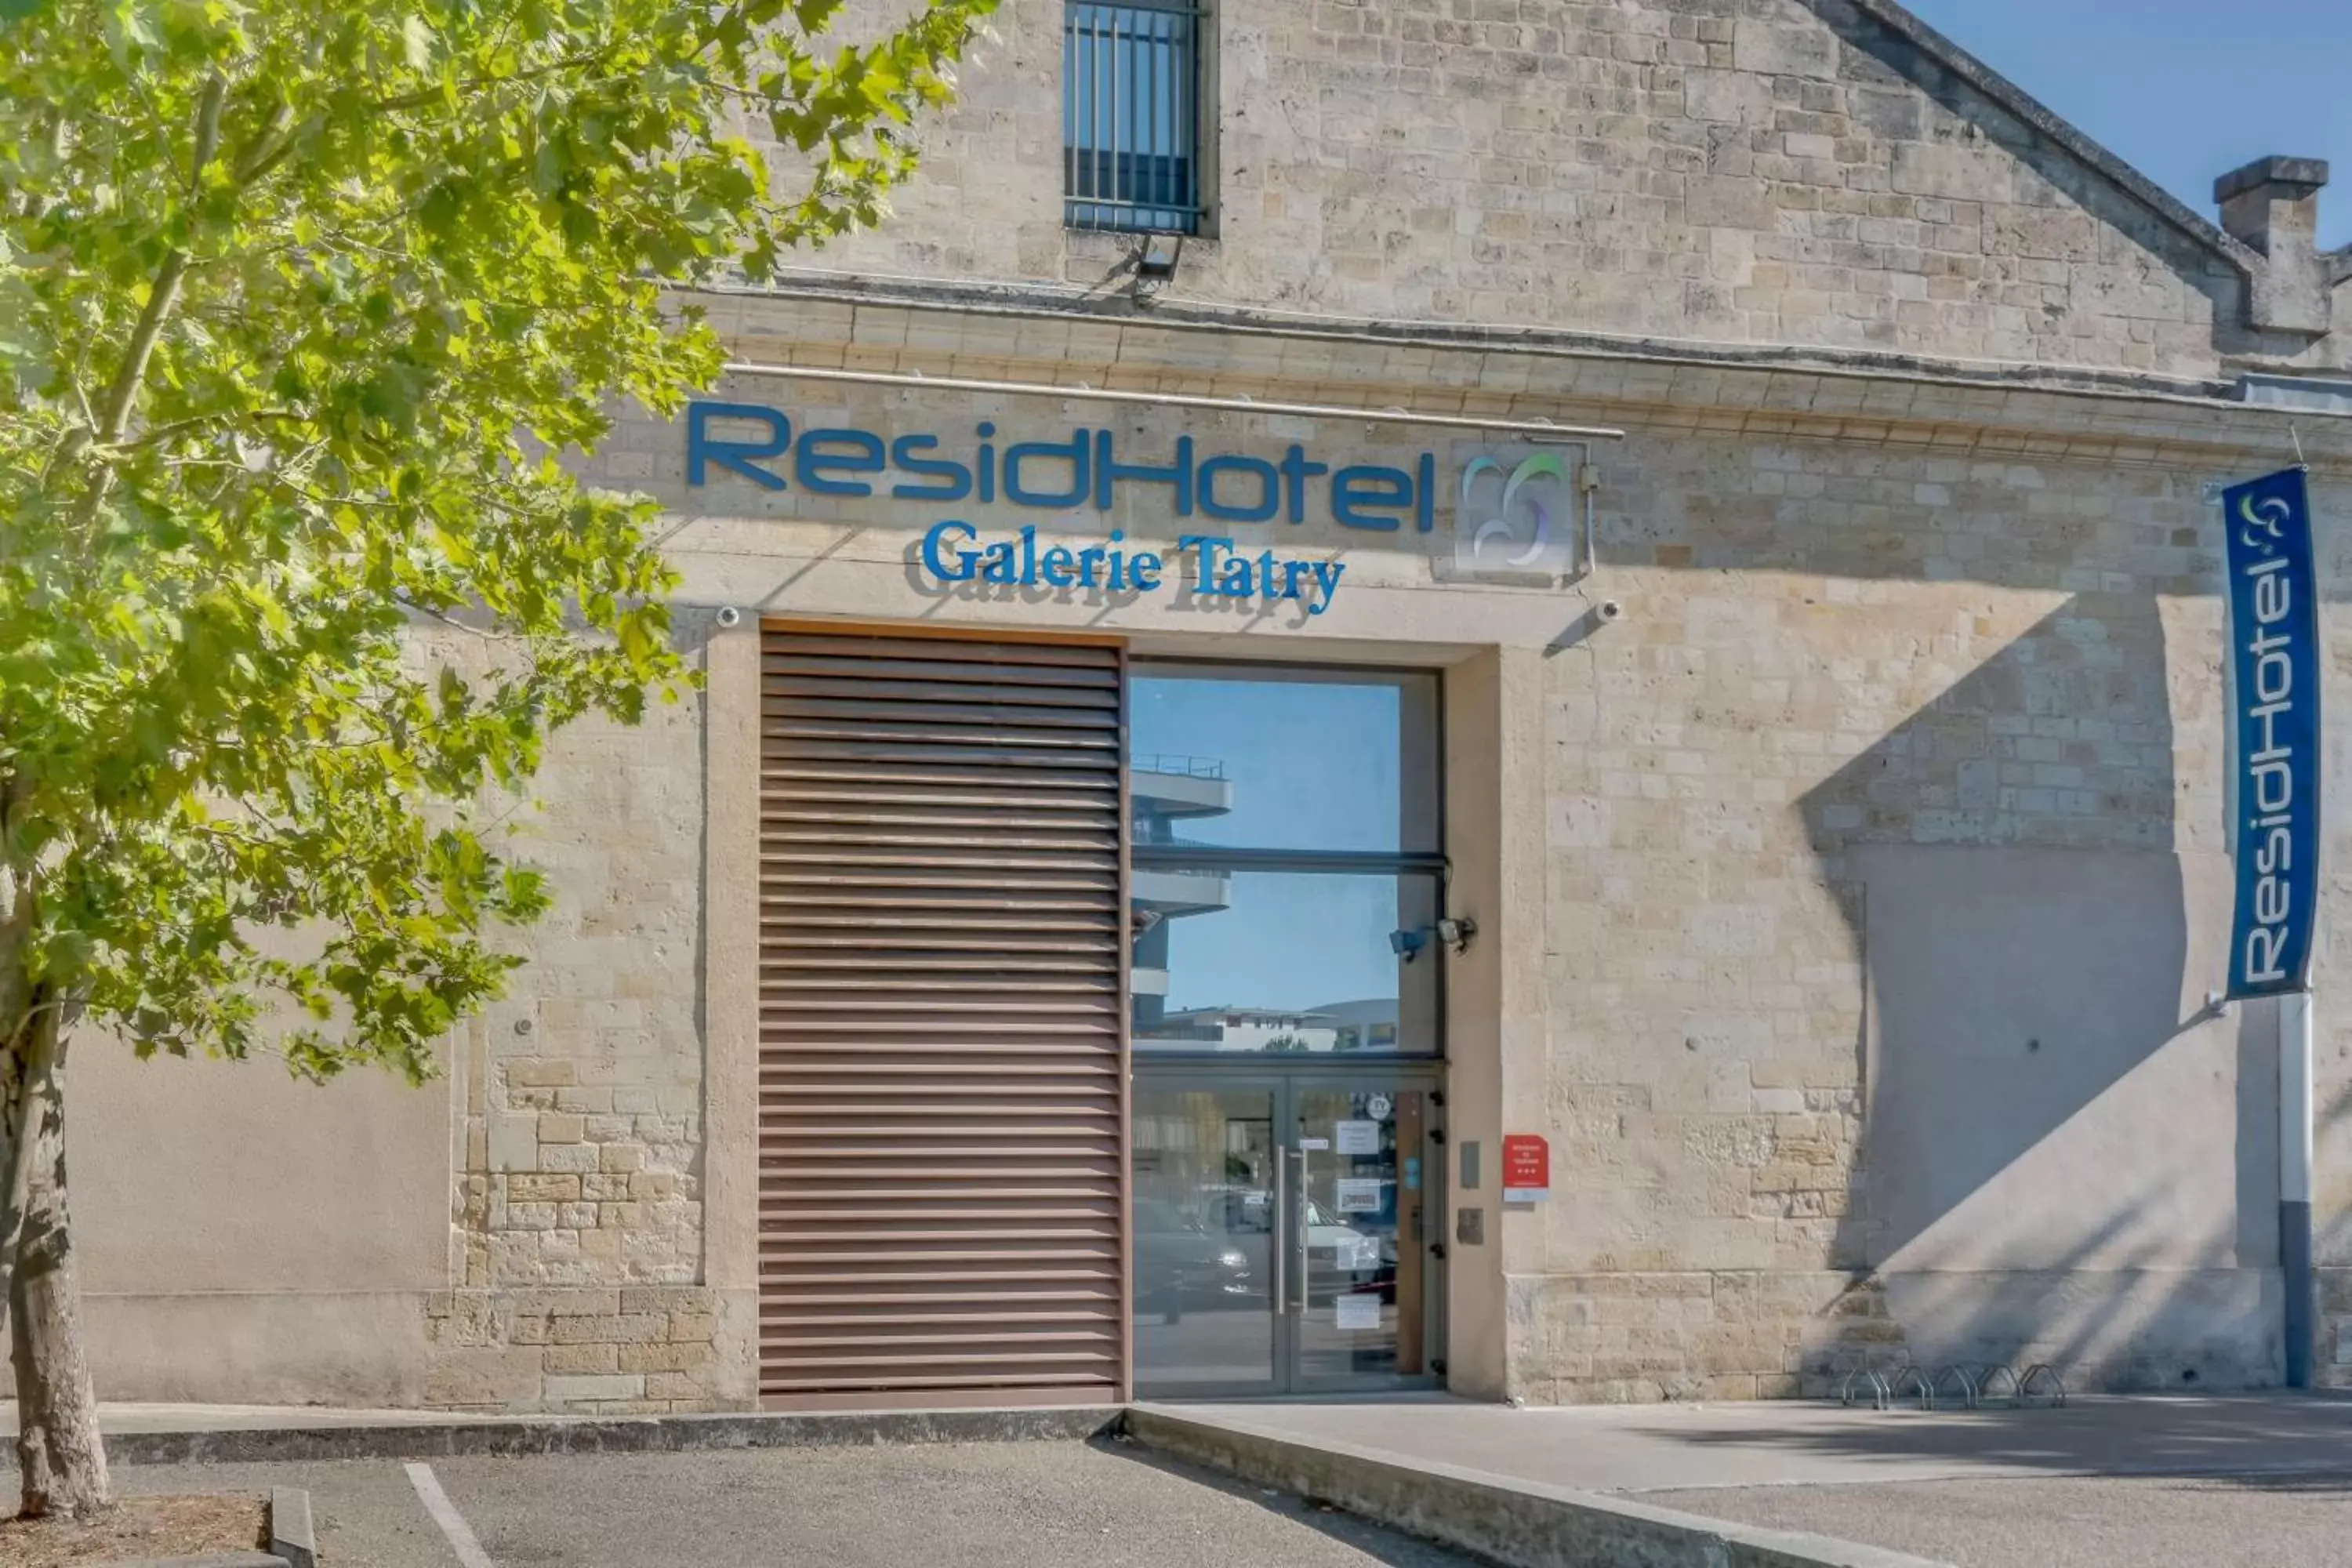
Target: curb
x,y
1523,1524
509,1436
218,1560
290,1527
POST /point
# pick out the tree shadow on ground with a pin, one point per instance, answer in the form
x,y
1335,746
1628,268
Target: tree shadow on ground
x,y
2300,1442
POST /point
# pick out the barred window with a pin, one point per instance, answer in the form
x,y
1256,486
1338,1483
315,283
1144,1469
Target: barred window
x,y
1131,116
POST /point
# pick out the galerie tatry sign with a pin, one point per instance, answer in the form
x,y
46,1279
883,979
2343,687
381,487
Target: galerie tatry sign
x,y
1087,469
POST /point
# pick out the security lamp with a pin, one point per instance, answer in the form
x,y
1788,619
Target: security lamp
x,y
1156,257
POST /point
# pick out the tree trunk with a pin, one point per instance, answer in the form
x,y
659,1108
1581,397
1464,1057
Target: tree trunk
x,y
59,1456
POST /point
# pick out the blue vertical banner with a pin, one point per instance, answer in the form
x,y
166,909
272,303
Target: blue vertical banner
x,y
2275,665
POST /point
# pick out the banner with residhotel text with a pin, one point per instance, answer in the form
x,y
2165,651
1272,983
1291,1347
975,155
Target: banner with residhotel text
x,y
2275,664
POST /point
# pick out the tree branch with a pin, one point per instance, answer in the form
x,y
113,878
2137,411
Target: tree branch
x,y
165,294
208,119
148,438
424,96
264,148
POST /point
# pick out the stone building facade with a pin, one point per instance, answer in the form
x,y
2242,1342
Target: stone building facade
x,y
1845,832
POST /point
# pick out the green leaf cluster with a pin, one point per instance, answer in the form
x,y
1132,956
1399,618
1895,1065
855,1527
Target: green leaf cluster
x,y
298,302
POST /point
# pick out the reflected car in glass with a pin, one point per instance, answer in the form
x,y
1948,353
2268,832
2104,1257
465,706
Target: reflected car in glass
x,y
1343,1261
1182,1265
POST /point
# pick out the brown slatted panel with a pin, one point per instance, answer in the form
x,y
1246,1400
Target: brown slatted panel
x,y
942,1009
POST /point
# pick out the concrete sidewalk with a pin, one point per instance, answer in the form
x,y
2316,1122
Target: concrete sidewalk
x,y
2149,1483
1603,1449
1678,1447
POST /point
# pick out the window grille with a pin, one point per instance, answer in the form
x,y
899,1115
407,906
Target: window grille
x,y
1130,117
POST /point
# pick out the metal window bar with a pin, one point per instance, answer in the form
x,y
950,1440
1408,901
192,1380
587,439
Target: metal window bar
x,y
1130,87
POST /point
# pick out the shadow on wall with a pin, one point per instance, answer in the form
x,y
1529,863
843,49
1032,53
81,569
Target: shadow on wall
x,y
2065,1155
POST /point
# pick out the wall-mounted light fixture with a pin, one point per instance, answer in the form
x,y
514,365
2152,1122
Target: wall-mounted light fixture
x,y
1158,254
1155,258
1407,944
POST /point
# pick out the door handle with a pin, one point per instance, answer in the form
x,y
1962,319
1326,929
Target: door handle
x,y
1280,1239
1305,1240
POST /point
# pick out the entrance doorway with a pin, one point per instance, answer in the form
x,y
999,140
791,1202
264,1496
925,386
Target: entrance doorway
x,y
1285,1004
1281,1241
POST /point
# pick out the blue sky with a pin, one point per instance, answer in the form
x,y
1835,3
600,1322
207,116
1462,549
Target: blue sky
x,y
1313,765
2181,90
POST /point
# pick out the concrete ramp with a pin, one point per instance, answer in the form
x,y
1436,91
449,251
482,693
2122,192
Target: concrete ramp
x,y
1515,1520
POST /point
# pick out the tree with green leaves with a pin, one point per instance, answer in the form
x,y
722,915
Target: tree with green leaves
x,y
298,302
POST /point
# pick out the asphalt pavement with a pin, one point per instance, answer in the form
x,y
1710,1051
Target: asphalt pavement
x,y
1009,1505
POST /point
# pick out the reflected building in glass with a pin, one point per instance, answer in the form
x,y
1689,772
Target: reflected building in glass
x,y
1170,793
1164,791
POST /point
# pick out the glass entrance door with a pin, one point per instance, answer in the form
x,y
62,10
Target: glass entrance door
x,y
1359,1315
1206,1175
1280,1238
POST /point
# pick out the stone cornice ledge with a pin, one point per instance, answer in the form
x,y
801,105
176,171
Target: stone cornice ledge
x,y
1042,333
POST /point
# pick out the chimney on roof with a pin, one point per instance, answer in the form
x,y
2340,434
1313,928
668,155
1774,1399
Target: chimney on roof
x,y
2273,206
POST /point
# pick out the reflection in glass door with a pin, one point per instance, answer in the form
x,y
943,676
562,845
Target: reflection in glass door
x,y
1280,1243
1206,1175
1361,1309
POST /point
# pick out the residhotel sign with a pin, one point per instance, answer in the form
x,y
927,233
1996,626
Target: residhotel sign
x,y
1084,470
1510,512
2274,666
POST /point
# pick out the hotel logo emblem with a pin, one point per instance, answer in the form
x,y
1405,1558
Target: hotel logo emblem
x,y
1514,518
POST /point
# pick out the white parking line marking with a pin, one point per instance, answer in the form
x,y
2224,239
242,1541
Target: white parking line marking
x,y
445,1514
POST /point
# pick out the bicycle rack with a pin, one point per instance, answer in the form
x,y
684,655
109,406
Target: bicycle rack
x,y
1882,1394
2041,1372
1955,1385
1958,1375
1909,1379
1989,1381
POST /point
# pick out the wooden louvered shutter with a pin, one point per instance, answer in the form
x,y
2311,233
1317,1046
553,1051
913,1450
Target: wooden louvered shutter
x,y
942,1021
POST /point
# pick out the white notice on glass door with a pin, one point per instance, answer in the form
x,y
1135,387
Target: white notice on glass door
x,y
1359,1194
1356,1311
1359,1137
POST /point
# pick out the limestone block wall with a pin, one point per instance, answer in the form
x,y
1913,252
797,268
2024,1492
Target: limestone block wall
x,y
1883,867
576,1219
1887,877
1736,171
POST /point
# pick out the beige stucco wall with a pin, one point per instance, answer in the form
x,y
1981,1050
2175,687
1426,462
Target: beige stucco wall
x,y
248,1236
